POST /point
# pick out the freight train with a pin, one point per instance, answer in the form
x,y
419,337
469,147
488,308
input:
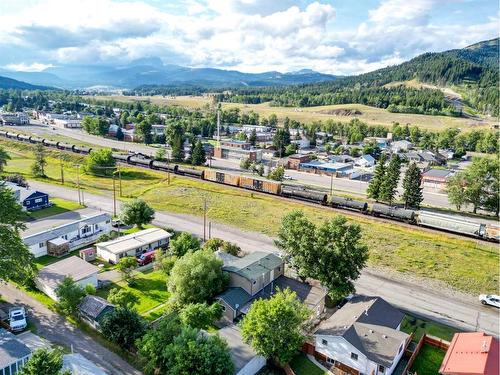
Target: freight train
x,y
448,223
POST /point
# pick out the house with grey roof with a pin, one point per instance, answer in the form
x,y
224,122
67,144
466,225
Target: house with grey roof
x,y
13,353
29,199
56,235
259,275
93,308
362,337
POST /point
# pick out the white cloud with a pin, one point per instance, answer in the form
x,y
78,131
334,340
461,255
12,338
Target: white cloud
x,y
35,67
251,35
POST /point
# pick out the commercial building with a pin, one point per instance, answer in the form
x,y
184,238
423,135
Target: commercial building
x,y
320,167
19,118
133,244
436,178
58,234
471,353
237,150
295,160
51,276
362,337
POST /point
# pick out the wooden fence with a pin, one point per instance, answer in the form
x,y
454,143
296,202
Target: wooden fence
x,y
426,339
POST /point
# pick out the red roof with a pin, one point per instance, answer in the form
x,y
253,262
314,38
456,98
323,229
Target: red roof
x,y
471,353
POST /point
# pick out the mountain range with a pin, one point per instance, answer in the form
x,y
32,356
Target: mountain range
x,y
152,71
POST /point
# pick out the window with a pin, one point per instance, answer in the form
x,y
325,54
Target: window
x,y
41,244
381,369
354,356
330,361
108,221
324,342
96,226
223,308
279,269
38,200
254,282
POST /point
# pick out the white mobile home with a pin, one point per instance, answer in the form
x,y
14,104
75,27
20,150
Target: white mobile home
x,y
133,244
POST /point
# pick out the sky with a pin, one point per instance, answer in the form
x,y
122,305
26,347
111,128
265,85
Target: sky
x,y
340,37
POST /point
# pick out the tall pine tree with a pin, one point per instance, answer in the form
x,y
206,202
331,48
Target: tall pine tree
x,y
198,155
389,185
412,181
378,177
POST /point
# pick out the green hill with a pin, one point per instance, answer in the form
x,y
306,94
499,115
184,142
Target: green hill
x,y
9,83
474,69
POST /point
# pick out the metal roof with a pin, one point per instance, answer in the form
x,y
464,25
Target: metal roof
x,y
254,264
79,365
59,225
93,306
11,349
73,266
369,324
134,240
438,173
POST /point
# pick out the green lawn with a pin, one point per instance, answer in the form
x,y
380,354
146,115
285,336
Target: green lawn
x,y
463,264
150,287
428,360
301,365
420,326
134,229
58,207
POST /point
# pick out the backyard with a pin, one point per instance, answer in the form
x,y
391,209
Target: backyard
x,y
428,360
301,365
420,326
463,264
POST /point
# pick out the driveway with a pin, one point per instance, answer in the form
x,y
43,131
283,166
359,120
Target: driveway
x,y
57,330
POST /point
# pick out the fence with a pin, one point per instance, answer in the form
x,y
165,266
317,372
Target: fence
x,y
426,339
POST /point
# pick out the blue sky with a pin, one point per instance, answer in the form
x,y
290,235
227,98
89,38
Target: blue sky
x,y
336,36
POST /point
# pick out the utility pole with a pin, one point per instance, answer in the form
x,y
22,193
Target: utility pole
x,y
204,219
168,170
78,183
209,230
331,184
218,128
120,180
114,196
62,172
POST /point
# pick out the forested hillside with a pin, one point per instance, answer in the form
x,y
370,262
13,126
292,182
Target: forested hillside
x,y
9,83
474,69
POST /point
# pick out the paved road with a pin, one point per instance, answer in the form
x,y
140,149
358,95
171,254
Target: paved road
x,y
352,186
460,310
57,330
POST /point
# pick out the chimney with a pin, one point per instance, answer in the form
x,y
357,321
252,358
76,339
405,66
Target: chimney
x,y
484,347
366,312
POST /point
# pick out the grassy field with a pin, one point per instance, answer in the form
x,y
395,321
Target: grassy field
x,y
301,365
370,115
149,287
428,360
464,264
58,207
420,326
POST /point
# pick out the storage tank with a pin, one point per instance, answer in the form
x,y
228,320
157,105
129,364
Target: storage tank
x,y
451,223
303,194
393,212
349,203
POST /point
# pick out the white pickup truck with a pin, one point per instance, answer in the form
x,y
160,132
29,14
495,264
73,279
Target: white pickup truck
x,y
17,319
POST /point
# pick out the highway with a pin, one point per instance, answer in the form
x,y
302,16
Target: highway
x,y
416,296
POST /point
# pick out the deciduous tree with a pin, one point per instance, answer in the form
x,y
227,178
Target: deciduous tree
x,y
455,187
277,174
137,212
70,295
46,362
4,158
126,267
122,298
100,163
38,166
200,315
123,326
184,243
196,277
275,327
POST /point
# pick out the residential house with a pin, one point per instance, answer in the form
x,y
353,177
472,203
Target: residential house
x,y
436,178
77,364
432,157
381,142
246,360
134,244
295,160
471,353
260,275
399,146
302,143
362,337
93,308
365,161
58,234
51,276
13,353
29,199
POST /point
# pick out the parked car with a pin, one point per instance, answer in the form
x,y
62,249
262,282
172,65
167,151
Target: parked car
x,y
287,177
117,223
17,319
490,299
146,258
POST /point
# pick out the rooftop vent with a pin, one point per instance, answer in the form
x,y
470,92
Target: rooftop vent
x,y
384,336
484,347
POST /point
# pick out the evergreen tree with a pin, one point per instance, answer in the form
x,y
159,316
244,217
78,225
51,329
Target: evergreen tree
x,y
119,134
198,155
4,157
412,194
253,137
378,177
38,167
389,185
